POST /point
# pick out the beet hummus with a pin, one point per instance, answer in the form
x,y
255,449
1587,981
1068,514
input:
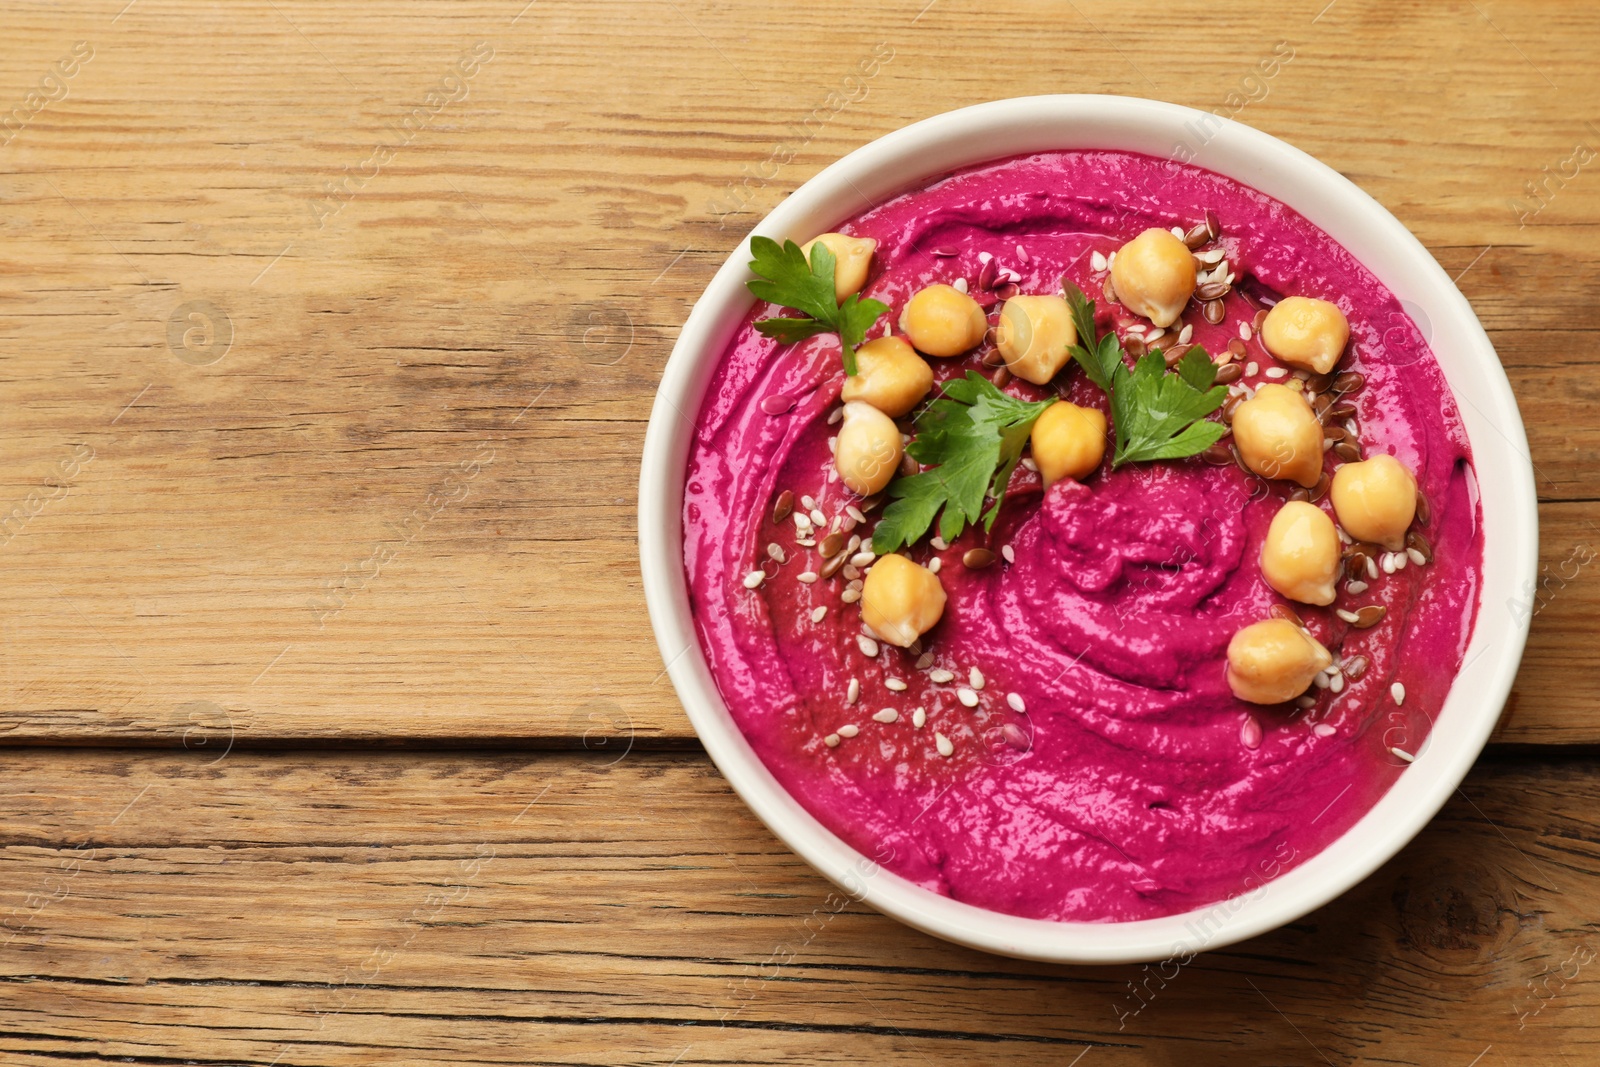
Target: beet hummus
x,y
1064,744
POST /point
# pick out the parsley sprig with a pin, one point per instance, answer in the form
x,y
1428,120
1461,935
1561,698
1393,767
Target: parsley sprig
x,y
1156,415
786,278
973,437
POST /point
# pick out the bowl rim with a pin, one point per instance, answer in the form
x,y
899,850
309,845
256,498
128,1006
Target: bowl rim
x,y
917,155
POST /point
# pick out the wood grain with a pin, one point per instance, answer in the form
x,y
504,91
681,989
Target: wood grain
x,y
537,241
342,909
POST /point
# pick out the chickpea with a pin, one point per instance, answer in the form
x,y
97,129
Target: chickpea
x,y
1272,661
1305,332
1154,276
901,600
1034,335
1068,441
1375,499
889,375
1278,435
941,320
868,450
1300,558
852,256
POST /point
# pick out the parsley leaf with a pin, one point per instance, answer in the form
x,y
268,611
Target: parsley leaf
x,y
785,277
971,438
1161,415
1099,359
1156,415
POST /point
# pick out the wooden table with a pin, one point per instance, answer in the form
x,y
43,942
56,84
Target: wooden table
x,y
336,730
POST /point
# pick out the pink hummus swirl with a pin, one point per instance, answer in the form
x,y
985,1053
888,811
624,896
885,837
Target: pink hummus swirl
x,y
1107,772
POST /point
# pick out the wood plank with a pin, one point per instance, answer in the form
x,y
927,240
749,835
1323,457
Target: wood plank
x,y
538,242
335,909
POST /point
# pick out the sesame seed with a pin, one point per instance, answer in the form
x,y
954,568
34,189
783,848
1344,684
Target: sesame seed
x,y
806,542
1400,560
934,564
967,697
834,416
855,513
1398,691
1403,754
1111,260
919,717
807,576
1029,464
1177,231
1336,684
1251,369
959,285
984,257
940,676
852,692
1250,732
1322,729
1372,569
1356,588
1320,681
1009,553
849,729
863,559
1388,563
1154,335
1015,700
775,550
943,744
1415,556
898,685
939,544
1347,616
1244,327
1097,261
851,572
818,518
1307,701
808,502
819,614
1211,255
975,678
869,647
887,715
832,740
1343,537
1277,372
850,596
1186,333
754,578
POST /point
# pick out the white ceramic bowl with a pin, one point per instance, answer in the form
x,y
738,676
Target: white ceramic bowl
x,y
912,157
